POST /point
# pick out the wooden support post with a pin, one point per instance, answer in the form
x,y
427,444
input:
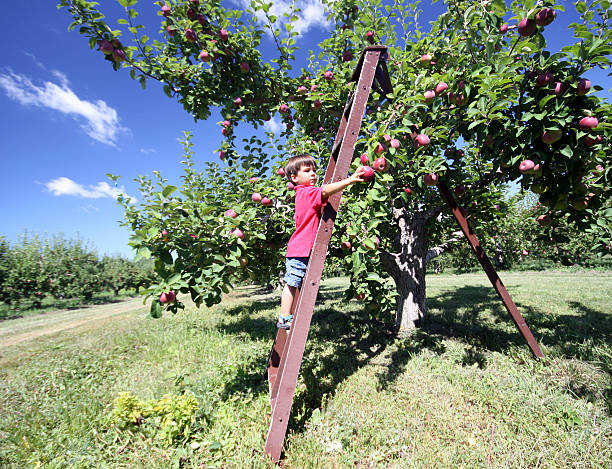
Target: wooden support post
x,y
490,271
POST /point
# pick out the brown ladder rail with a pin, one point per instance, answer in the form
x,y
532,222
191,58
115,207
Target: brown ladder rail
x,y
490,271
288,349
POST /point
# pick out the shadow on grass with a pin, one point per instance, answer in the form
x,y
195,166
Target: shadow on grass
x,y
460,314
340,343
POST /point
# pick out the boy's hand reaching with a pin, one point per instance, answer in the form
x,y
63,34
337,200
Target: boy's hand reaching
x,y
330,189
358,176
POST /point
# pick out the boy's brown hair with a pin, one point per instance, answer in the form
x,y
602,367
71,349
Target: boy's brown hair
x,y
296,162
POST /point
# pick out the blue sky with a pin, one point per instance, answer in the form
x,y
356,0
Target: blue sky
x,y
67,119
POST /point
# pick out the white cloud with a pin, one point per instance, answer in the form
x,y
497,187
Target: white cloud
x,y
89,208
66,186
148,151
102,121
312,14
273,125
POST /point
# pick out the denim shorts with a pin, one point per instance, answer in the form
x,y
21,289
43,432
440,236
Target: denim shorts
x,y
295,268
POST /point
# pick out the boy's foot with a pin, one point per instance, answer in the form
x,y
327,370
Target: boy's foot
x,y
284,322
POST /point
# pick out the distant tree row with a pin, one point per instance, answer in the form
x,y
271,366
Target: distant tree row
x,y
34,268
516,241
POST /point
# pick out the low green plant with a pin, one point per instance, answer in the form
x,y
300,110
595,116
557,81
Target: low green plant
x,y
169,419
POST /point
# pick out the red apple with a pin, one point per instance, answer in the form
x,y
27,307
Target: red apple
x,y
590,141
231,213
459,189
387,137
422,140
223,34
226,123
380,147
429,95
441,87
552,136
503,28
544,78
238,233
526,166
347,56
302,89
191,14
394,143
281,171
380,164
527,27
328,75
256,197
290,186
205,56
313,88
244,67
588,123
266,202
360,296
166,11
119,55
106,47
370,36
408,191
283,108
430,179
559,88
190,35
364,159
243,262
316,104
583,87
168,297
544,220
221,155
238,101
368,173
346,245
425,59
545,16
525,252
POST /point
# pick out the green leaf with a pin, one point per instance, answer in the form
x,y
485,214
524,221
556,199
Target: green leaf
x,y
168,190
156,309
566,150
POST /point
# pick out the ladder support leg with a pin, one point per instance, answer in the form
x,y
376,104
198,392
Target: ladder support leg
x,y
490,271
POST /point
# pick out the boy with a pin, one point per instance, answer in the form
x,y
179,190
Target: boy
x,y
309,203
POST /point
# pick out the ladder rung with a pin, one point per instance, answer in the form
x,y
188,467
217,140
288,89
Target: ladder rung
x,y
382,77
349,104
336,146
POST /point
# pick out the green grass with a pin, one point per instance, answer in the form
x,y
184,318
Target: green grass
x,y
49,303
463,391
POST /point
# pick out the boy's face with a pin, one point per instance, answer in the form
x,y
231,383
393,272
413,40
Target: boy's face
x,y
306,176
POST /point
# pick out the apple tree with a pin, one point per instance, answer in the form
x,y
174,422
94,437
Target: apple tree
x,y
479,101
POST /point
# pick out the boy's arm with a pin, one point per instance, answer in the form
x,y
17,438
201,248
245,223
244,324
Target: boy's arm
x,y
330,189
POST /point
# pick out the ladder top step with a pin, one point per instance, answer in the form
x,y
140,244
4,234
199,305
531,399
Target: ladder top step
x,y
385,82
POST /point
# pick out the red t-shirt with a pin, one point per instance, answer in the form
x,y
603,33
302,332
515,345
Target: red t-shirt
x,y
308,209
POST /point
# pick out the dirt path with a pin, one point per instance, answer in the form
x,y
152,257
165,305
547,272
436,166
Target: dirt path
x,y
15,331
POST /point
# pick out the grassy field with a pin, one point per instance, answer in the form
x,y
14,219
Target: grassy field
x,y
462,392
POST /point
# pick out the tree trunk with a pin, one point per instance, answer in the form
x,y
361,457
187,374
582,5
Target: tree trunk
x,y
407,268
410,308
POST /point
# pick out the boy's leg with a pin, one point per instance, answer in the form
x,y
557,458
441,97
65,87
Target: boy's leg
x,y
287,298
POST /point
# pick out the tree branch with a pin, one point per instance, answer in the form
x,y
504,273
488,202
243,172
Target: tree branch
x,y
441,248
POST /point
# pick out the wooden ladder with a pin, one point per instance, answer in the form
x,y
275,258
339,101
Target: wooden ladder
x,y
288,348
